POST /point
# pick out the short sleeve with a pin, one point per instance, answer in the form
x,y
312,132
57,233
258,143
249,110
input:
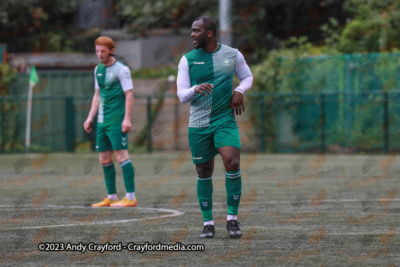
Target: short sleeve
x,y
96,84
125,78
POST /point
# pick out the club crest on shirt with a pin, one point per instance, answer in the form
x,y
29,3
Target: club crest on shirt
x,y
110,76
226,62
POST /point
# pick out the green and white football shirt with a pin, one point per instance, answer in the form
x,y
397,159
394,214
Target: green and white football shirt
x,y
112,81
218,67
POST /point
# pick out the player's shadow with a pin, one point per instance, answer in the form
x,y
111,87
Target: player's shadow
x,y
89,200
297,241
161,201
21,242
367,240
369,201
21,201
299,201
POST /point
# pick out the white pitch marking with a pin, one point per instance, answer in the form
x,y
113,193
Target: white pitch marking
x,y
174,213
216,203
305,201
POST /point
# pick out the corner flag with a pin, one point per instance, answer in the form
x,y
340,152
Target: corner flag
x,y
33,80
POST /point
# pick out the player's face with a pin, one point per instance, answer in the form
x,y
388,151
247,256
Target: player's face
x,y
102,53
199,34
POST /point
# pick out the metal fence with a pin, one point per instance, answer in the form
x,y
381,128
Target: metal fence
x,y
343,103
274,122
340,122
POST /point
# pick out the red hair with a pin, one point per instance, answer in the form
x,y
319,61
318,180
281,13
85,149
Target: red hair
x,y
104,40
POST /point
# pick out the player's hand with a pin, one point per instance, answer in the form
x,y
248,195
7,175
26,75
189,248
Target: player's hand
x,y
87,125
204,87
237,103
126,126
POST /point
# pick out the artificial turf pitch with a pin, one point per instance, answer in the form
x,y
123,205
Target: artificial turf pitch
x,y
296,210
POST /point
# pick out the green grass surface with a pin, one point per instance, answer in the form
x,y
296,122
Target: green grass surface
x,y
331,211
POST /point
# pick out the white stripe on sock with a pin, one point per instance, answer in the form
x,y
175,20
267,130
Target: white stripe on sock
x,y
108,164
231,177
232,174
125,162
204,178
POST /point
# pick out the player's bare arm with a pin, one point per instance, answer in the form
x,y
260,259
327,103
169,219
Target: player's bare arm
x,y
87,125
126,123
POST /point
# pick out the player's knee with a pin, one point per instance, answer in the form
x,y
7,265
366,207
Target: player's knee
x,y
105,159
232,165
121,156
204,171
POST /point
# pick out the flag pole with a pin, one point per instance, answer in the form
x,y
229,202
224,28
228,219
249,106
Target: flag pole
x,y
28,119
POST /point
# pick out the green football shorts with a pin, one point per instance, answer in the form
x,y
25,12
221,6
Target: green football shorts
x,y
110,139
205,141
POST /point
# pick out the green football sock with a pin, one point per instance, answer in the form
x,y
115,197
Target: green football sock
x,y
204,195
129,175
109,177
233,184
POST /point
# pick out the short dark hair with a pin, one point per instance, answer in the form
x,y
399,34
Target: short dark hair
x,y
210,23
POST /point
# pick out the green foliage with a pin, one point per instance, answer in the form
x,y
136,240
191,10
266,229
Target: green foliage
x,y
41,26
273,22
144,15
373,28
368,9
256,25
349,118
360,36
331,33
8,115
7,76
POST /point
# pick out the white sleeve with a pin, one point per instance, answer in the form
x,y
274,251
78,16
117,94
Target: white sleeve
x,y
96,84
185,92
125,78
244,74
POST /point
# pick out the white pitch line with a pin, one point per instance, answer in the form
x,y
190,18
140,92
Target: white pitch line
x,y
296,201
216,203
174,213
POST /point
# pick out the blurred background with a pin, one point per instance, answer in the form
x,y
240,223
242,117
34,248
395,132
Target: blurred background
x,y
325,72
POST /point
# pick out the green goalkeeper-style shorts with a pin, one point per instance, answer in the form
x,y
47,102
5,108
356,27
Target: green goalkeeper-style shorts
x,y
110,138
205,141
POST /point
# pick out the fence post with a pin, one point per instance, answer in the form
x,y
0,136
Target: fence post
x,y
261,115
149,123
322,122
177,124
70,124
3,143
349,99
386,123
